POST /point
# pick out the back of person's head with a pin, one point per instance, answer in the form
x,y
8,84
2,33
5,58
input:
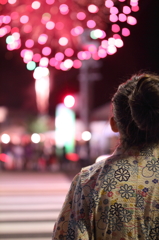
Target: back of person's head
x,y
136,110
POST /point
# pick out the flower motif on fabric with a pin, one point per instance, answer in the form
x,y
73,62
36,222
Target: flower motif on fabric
x,y
109,184
115,209
115,224
122,174
93,199
155,181
147,152
154,233
107,172
139,201
125,215
153,165
126,191
70,234
103,221
82,225
104,216
123,164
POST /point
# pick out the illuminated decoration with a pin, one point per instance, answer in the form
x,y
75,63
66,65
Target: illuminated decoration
x,y
61,34
65,128
35,138
55,29
86,136
5,138
42,86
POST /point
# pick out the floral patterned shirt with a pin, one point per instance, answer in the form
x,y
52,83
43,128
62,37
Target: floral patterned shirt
x,y
116,198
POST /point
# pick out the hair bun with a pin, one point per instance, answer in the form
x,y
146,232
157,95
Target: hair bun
x,y
144,103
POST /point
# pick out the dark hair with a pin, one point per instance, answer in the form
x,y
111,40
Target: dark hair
x,y
136,110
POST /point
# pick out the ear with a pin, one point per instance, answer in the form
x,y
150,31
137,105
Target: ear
x,y
113,125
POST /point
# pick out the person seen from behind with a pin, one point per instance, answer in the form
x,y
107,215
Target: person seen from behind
x,y
118,198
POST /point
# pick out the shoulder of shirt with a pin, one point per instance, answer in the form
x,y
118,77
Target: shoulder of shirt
x,y
91,171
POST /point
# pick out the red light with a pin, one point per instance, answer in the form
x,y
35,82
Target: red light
x,y
72,157
69,101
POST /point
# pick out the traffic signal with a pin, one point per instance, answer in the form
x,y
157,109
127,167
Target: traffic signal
x,y
69,101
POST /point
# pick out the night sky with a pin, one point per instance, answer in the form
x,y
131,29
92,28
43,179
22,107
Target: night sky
x,y
139,53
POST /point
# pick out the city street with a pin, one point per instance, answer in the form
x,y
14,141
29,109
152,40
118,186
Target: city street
x,y
30,203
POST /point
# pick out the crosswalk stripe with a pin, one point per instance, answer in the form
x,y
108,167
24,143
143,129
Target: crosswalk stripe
x,y
30,214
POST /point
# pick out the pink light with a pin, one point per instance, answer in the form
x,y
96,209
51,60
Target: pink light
x,y
14,45
111,49
91,24
78,30
63,41
29,43
131,20
116,36
14,29
64,9
8,28
77,63
84,55
111,41
12,1
28,55
59,56
50,2
62,67
81,15
95,56
59,25
36,57
98,33
69,52
16,35
126,10
114,10
115,28
119,43
57,66
135,8
113,18
6,19
35,5
109,3
121,0
45,18
80,55
42,39
68,63
102,53
24,19
44,62
93,8
23,52
46,51
50,25
87,55
122,17
125,32
134,2
104,43
3,2
27,28
52,62
14,15
92,48
3,31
